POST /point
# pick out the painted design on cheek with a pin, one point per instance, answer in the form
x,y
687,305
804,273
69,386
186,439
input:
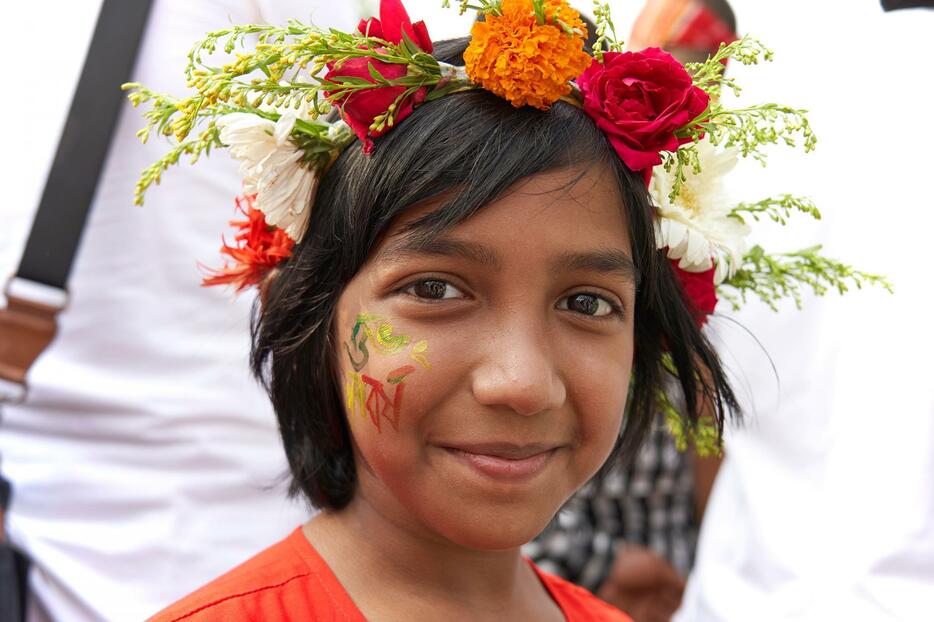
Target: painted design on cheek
x,y
357,344
418,353
384,340
355,396
379,406
365,396
396,376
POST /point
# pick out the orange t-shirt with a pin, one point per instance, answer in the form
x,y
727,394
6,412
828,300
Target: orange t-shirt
x,y
290,581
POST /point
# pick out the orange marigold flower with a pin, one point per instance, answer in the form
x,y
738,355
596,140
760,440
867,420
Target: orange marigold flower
x,y
257,249
525,62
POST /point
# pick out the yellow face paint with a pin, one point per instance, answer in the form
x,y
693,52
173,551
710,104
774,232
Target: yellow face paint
x,y
354,395
418,353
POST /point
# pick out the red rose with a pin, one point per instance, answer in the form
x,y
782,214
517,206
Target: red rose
x,y
639,100
699,291
393,21
361,108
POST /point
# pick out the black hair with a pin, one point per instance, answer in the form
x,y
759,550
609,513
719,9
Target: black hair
x,y
724,11
474,146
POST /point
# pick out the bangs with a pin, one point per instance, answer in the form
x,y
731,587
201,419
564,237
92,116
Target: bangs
x,y
469,148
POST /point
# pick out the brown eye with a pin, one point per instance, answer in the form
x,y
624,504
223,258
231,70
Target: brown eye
x,y
433,289
586,304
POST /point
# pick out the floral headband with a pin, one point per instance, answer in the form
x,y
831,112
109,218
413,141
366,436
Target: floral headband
x,y
269,107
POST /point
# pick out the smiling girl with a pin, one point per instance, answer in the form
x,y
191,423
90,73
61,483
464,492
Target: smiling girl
x,y
474,317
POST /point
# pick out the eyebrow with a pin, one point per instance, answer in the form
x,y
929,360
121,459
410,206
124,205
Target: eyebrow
x,y
415,245
605,261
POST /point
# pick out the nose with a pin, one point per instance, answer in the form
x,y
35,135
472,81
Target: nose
x,y
519,371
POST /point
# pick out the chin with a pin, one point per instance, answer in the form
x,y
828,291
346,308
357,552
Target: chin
x,y
493,528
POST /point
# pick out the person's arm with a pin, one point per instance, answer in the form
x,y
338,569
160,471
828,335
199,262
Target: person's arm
x,y
643,584
705,472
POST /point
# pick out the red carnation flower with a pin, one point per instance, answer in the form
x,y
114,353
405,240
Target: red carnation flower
x,y
639,100
257,249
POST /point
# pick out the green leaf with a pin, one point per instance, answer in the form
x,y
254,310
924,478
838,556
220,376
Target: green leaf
x,y
410,46
375,74
353,80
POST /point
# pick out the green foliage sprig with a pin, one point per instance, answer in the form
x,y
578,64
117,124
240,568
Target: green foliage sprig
x,y
607,40
486,7
194,148
786,275
746,129
280,70
290,60
710,74
701,433
778,209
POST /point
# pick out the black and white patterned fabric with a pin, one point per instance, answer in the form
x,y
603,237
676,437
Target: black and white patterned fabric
x,y
649,502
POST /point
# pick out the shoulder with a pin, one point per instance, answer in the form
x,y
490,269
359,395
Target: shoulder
x,y
264,588
578,604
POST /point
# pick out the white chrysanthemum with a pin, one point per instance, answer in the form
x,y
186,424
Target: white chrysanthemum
x,y
697,227
271,167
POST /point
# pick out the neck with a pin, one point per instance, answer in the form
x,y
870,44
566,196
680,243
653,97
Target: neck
x,y
359,543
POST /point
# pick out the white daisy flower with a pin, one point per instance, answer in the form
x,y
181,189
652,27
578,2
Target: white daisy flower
x,y
271,167
697,227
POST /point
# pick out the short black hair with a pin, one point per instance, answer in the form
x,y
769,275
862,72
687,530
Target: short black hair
x,y
474,146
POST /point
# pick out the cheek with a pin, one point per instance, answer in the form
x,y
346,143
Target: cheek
x,y
390,382
598,385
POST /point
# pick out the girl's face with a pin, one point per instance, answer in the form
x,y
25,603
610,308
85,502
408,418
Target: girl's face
x,y
485,373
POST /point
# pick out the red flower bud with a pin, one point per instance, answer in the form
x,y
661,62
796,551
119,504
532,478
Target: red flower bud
x,y
699,291
361,109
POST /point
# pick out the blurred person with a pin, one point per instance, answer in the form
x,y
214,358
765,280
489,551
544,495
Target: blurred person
x,y
824,506
145,460
688,29
631,536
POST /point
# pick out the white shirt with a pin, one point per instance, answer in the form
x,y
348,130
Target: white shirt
x,y
146,461
824,507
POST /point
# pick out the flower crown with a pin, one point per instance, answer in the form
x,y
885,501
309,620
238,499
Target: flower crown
x,y
269,107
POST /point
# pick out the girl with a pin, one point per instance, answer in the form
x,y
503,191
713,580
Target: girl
x,y
472,304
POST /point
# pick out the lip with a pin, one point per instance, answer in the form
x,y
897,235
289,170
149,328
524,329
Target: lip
x,y
504,461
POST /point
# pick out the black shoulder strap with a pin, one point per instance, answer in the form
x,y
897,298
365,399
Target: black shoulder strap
x,y
895,5
69,189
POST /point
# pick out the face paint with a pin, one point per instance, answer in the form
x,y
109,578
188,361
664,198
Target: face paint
x,y
356,346
379,406
418,353
365,396
384,340
354,396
